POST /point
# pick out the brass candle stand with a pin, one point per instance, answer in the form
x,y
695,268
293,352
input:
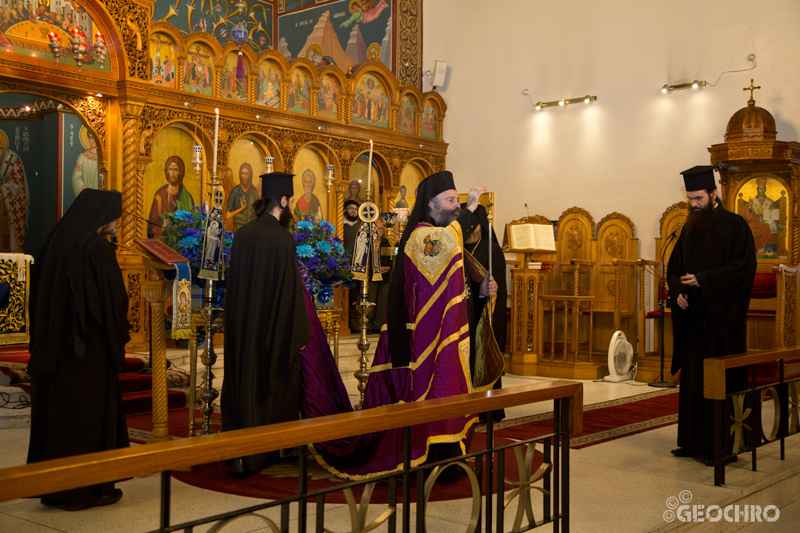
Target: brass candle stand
x,y
368,212
210,318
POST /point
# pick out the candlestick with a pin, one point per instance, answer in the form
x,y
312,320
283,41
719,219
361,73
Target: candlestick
x,y
216,140
369,168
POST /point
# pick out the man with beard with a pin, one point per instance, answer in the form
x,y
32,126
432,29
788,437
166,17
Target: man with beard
x,y
242,200
350,231
266,323
710,276
308,204
171,197
79,328
422,353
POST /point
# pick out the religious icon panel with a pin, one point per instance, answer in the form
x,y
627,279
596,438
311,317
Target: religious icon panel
x,y
371,102
429,121
328,97
242,183
763,203
268,87
163,60
198,70
310,191
408,115
299,96
231,85
170,185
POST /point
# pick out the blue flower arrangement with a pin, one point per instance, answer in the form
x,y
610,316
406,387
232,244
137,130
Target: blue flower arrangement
x,y
184,234
322,258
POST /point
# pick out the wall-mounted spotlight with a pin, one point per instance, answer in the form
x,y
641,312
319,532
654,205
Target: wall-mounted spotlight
x,y
564,101
691,85
700,83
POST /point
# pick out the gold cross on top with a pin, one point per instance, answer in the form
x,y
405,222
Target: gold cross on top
x,y
751,89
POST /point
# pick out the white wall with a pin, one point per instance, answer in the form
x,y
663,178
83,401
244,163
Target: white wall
x,y
624,152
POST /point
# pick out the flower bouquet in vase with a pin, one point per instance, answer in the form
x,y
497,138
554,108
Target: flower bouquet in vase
x,y
324,263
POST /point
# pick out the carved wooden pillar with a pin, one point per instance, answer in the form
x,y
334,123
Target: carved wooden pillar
x,y
795,217
157,291
314,102
394,117
132,181
132,187
338,218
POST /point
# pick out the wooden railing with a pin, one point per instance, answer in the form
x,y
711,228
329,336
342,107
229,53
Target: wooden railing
x,y
747,404
73,472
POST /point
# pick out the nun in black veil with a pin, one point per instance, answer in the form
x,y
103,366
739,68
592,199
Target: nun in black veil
x,y
79,328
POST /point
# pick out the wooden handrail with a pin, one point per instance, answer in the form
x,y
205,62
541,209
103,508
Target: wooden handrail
x,y
584,262
714,367
102,467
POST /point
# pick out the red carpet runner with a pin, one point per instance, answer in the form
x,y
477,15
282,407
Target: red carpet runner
x,y
602,422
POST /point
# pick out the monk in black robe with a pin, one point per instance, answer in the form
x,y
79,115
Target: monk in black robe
x,y
477,245
266,323
710,275
79,328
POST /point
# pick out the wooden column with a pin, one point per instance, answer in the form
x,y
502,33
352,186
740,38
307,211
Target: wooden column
x,y
157,291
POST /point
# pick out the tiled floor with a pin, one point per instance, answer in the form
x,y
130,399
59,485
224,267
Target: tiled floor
x,y
622,485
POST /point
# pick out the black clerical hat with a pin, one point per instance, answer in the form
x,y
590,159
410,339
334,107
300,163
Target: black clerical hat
x,y
438,183
277,184
699,178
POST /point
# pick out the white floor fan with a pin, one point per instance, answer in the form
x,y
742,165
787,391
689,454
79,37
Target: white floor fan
x,y
620,358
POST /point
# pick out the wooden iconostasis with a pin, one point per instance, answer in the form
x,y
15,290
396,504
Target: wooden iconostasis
x,y
128,119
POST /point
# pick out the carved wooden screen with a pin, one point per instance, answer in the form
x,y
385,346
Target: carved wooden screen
x,y
673,217
575,235
615,240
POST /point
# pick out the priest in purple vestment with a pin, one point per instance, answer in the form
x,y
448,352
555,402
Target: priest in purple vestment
x,y
423,352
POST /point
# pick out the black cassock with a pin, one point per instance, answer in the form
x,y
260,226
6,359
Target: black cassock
x,y
724,262
79,328
480,251
265,327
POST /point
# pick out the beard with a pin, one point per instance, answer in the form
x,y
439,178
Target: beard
x,y
444,217
286,217
698,224
348,218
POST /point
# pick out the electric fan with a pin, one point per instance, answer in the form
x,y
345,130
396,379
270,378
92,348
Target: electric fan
x,y
620,358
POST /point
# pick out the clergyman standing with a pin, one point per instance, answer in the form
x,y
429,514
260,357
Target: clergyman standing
x,y
710,275
266,323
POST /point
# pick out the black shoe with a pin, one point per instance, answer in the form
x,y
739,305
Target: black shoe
x,y
709,460
239,471
108,498
684,452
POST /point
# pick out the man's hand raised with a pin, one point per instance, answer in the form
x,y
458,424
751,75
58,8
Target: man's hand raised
x,y
475,195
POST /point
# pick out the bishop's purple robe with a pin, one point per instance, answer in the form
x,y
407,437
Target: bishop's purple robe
x,y
439,333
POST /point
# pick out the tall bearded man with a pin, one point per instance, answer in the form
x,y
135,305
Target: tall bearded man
x,y
710,274
266,323
424,351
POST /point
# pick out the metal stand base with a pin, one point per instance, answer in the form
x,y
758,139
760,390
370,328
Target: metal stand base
x,y
662,384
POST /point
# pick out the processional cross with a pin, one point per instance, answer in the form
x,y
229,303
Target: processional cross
x,y
751,89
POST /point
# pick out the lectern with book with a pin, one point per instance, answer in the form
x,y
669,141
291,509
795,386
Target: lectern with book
x,y
534,237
